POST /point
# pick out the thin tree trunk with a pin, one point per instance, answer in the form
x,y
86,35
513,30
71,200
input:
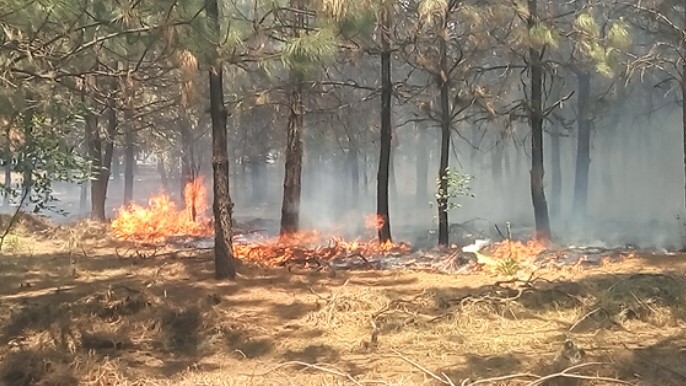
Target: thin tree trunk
x,y
583,151
187,158
536,121
8,167
129,155
83,197
683,97
290,208
222,207
382,208
101,153
443,224
556,163
28,143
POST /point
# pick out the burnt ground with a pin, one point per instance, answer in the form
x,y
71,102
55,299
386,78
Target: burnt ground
x,y
78,308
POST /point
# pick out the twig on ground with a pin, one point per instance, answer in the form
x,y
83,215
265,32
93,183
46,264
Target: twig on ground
x,y
539,380
467,382
314,367
566,374
443,378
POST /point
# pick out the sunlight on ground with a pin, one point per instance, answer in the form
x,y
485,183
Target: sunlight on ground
x,y
100,313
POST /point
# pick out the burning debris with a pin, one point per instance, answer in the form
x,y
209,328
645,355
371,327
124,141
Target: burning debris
x,y
162,222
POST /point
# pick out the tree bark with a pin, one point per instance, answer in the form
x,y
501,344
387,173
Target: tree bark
x,y
536,120
382,207
583,150
683,97
129,155
222,206
28,164
8,167
290,208
187,157
101,150
443,224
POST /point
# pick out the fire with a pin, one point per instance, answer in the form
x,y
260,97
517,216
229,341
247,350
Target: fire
x,y
374,221
195,197
516,250
161,219
312,247
506,253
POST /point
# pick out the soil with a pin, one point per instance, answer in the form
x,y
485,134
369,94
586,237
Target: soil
x,y
78,308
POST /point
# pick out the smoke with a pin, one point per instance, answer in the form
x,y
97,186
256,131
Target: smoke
x,y
635,196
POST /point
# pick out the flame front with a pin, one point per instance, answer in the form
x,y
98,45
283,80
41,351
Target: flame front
x,y
161,219
516,250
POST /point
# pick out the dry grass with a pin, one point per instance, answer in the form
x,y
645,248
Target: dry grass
x,y
128,320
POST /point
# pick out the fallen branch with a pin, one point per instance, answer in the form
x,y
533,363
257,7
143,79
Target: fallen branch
x,y
314,367
538,380
566,374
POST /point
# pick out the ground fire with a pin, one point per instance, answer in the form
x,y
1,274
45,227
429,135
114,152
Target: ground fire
x,y
161,220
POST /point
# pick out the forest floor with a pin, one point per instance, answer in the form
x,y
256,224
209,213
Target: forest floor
x,y
77,308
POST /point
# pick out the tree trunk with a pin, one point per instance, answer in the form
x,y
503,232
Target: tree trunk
x,y
222,206
101,153
422,166
683,111
536,121
556,163
8,167
443,224
583,150
28,163
382,209
290,208
187,158
129,155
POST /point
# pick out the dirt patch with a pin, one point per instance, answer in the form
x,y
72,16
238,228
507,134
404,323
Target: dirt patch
x,y
163,320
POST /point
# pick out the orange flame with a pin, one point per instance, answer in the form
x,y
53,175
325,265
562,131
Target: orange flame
x,y
516,250
374,221
312,247
195,197
161,219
